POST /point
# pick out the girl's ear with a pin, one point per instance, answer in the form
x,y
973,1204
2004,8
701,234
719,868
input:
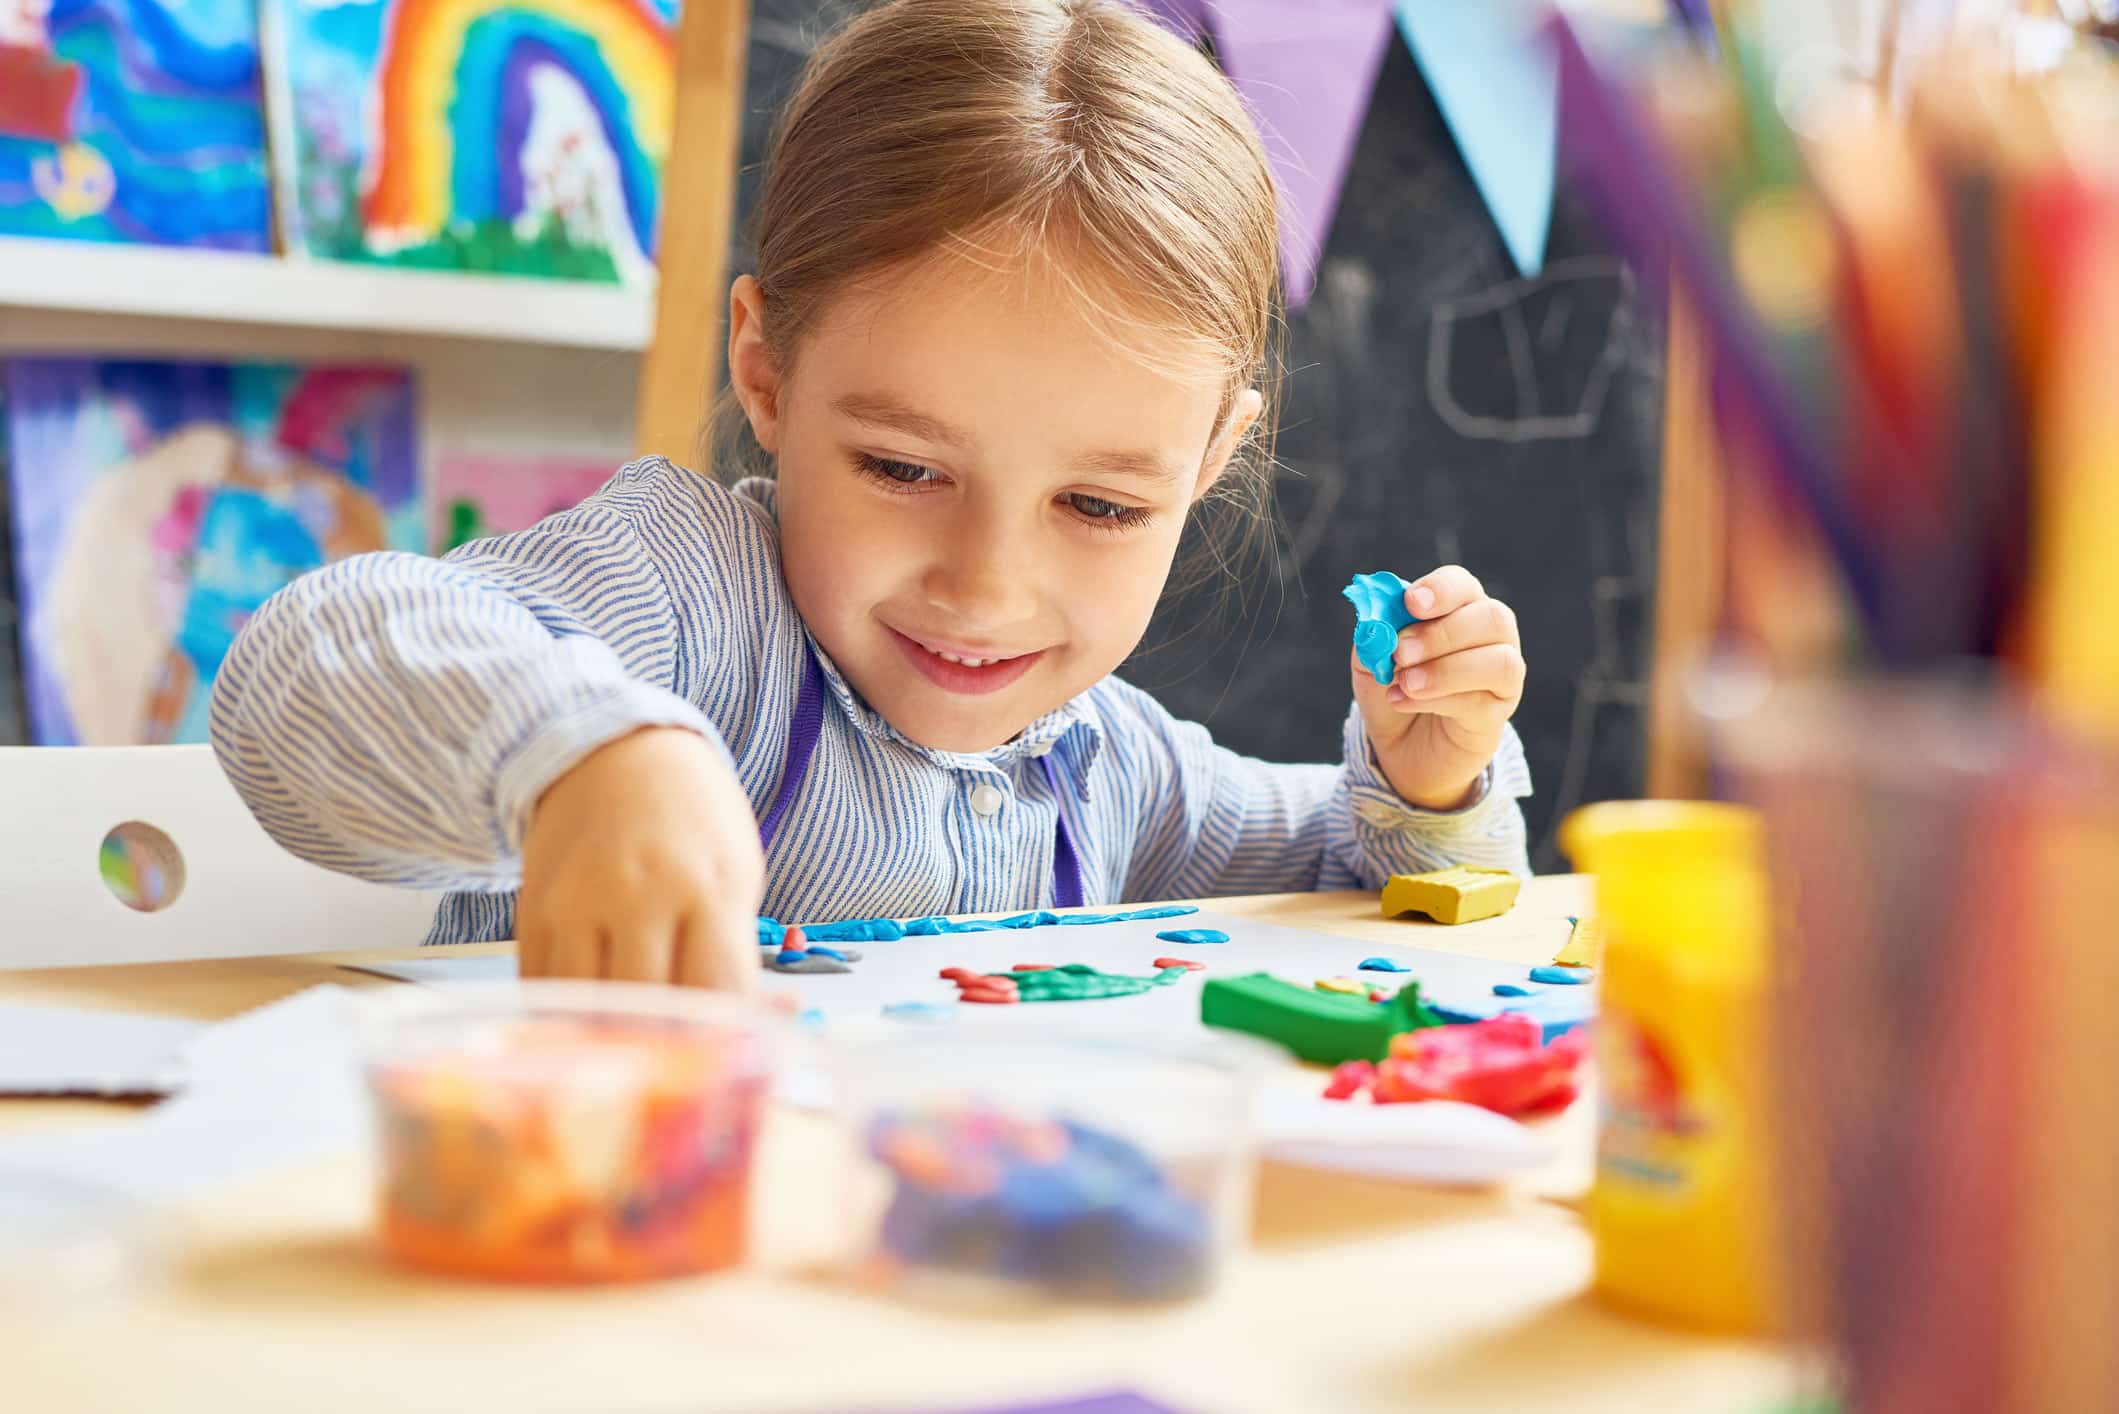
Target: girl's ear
x,y
751,370
1242,418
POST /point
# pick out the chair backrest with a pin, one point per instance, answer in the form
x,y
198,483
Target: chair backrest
x,y
240,893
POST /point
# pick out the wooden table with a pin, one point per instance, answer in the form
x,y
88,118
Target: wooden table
x,y
1355,1294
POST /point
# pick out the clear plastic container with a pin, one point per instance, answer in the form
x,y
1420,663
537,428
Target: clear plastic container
x,y
1075,1167
568,1131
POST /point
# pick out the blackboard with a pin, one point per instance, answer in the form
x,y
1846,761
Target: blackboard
x,y
1437,408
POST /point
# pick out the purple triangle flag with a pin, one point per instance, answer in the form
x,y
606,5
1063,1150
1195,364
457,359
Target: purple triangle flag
x,y
1306,72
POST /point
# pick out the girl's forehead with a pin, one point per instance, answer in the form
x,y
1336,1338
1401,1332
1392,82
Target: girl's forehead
x,y
964,289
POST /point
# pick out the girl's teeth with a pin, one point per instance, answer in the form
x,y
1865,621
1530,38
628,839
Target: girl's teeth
x,y
967,662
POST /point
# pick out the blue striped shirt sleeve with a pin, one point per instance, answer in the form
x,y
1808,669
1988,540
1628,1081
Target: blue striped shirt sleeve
x,y
397,717
1213,822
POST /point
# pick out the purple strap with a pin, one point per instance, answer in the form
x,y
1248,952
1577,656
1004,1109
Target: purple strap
x,y
1066,864
802,736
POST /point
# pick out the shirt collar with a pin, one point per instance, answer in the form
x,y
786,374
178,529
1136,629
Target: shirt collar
x,y
1073,731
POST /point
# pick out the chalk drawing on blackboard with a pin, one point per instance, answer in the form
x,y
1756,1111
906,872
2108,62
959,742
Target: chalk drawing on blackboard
x,y
1606,680
1563,336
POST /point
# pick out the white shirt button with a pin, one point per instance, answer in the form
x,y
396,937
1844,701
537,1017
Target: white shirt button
x,y
986,799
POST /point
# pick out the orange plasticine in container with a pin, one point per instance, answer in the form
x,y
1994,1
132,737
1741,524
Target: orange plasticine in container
x,y
581,1132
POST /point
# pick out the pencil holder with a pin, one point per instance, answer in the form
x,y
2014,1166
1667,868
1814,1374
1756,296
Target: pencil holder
x,y
1945,872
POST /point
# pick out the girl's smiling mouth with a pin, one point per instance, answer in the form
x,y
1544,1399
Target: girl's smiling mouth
x,y
947,666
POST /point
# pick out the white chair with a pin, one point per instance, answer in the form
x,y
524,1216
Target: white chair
x,y
239,893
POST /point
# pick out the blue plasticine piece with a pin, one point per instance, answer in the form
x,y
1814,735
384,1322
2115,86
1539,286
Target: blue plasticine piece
x,y
931,926
770,932
921,1011
1161,910
1086,920
1561,976
827,952
1382,964
811,1019
1379,615
1192,935
1510,989
789,955
855,930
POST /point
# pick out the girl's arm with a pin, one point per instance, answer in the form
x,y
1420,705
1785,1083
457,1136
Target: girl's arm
x,y
1213,822
397,717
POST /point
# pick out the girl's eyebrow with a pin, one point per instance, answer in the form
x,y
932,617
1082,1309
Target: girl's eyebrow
x,y
882,412
1145,465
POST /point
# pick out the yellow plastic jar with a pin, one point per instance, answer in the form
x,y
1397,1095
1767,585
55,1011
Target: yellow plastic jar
x,y
1681,1211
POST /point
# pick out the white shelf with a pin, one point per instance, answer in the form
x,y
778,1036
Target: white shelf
x,y
172,283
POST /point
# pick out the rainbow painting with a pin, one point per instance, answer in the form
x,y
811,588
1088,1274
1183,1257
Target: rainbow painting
x,y
133,120
155,506
507,136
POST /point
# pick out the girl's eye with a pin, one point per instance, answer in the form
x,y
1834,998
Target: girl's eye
x,y
885,469
1106,514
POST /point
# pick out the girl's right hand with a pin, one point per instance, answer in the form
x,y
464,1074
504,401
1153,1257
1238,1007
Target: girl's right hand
x,y
642,864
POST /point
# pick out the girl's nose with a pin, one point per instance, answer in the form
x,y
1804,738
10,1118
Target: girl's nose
x,y
985,569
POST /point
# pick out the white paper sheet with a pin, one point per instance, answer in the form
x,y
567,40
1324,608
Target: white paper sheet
x,y
1438,1141
443,968
52,1050
908,970
274,1086
1427,1143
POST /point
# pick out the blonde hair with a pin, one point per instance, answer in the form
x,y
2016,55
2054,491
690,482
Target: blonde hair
x,y
1075,131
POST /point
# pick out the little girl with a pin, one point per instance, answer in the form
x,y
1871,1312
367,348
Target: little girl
x,y
1015,289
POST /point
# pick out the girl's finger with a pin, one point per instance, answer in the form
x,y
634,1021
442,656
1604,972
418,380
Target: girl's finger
x,y
644,950
1474,709
725,934
1494,667
1480,622
533,948
692,963
1444,591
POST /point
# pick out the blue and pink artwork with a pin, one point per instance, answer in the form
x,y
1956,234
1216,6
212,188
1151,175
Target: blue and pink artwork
x,y
133,120
513,136
157,505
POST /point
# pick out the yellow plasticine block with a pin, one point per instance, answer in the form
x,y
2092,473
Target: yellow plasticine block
x,y
1583,945
1342,984
1460,895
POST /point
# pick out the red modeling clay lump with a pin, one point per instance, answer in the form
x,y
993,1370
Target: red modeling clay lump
x,y
1350,1078
1502,1064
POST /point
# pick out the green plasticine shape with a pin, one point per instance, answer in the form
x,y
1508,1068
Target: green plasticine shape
x,y
1324,1028
1079,982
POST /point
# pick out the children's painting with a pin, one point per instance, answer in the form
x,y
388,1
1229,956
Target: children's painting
x,y
157,505
471,496
133,120
509,136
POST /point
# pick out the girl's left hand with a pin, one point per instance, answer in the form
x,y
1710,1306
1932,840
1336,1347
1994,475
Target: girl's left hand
x,y
1460,676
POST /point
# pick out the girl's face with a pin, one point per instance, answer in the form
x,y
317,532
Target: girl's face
x,y
980,493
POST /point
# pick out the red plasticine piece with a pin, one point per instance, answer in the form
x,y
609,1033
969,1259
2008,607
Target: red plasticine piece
x,y
961,974
1185,962
1350,1078
988,996
1032,967
1501,1064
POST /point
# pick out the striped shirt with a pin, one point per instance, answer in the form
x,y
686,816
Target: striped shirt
x,y
397,717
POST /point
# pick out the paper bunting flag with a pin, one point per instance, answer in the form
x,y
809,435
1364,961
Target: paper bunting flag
x,y
1496,81
1307,72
